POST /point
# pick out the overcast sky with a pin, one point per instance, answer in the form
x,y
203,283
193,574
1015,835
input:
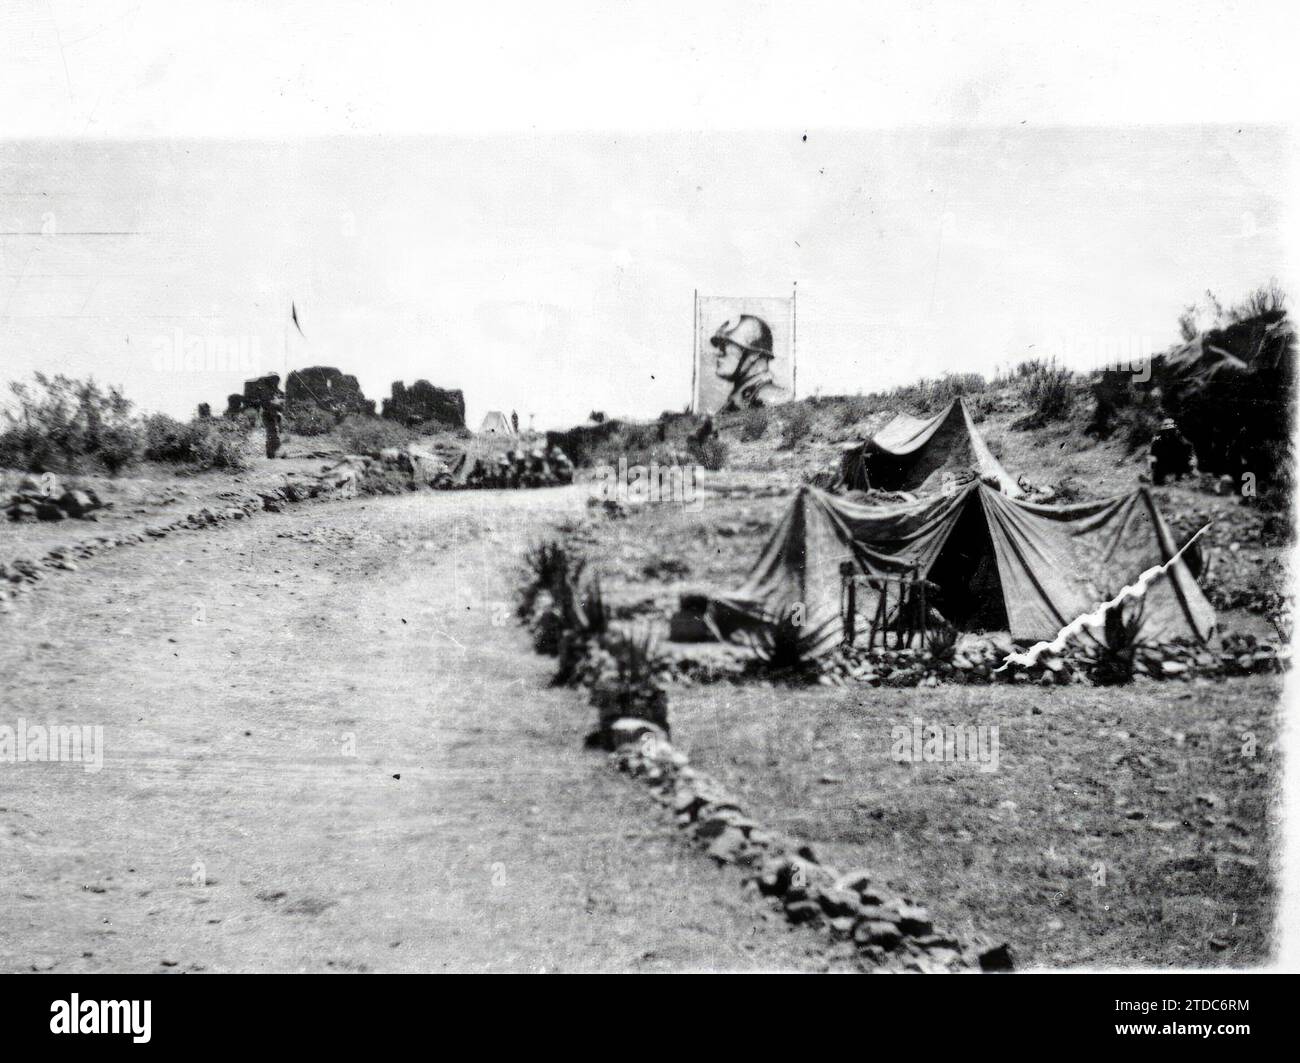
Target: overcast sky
x,y
422,188
555,274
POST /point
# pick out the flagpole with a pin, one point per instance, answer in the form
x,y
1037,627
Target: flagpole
x,y
695,350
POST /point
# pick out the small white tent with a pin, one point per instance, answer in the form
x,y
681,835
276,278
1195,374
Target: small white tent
x,y
495,424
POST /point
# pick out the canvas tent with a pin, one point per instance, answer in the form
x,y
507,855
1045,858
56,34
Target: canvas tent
x,y
495,424
999,563
918,454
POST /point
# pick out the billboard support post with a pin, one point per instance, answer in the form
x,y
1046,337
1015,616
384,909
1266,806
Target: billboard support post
x,y
794,341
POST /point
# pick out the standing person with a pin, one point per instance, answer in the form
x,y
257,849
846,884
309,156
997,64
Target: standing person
x,y
1171,454
514,421
273,421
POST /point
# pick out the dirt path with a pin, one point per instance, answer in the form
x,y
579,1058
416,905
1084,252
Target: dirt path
x,y
328,748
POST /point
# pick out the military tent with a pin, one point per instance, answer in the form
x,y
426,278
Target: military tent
x,y
918,454
495,424
998,563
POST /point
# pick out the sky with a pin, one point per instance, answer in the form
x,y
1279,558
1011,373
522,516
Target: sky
x,y
521,202
555,274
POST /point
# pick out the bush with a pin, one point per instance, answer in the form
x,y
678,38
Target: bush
x,y
60,424
941,642
434,427
1047,389
856,408
204,444
710,453
310,420
1113,662
796,425
360,434
753,424
545,565
629,681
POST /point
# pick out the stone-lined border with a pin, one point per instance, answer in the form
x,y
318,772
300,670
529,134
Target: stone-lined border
x,y
19,575
892,933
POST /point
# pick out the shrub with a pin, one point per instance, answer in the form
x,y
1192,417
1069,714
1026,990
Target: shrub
x,y
546,565
780,647
941,642
434,427
855,408
939,393
753,424
1113,661
360,434
589,616
310,420
1047,389
204,444
796,425
629,683
711,453
60,424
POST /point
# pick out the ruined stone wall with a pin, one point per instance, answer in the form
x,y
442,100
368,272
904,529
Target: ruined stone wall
x,y
423,401
329,389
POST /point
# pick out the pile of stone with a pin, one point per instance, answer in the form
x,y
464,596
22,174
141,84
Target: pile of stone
x,y
979,659
890,932
45,499
1247,655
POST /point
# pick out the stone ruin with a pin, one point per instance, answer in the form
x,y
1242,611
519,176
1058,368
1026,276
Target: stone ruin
x,y
256,391
329,389
423,402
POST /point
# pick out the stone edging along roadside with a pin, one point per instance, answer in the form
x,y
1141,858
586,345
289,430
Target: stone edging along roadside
x,y
891,932
338,482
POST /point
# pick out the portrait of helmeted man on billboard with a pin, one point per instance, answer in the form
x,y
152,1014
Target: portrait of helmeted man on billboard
x,y
743,357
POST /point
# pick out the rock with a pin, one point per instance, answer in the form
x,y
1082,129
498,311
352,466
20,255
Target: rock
x,y
876,932
1173,668
727,847
77,503
998,958
842,926
839,903
803,912
856,881
913,919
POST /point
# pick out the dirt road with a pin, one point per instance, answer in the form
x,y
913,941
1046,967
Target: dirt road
x,y
327,746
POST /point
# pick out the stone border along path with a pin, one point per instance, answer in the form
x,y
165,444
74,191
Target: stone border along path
x,y
19,575
892,932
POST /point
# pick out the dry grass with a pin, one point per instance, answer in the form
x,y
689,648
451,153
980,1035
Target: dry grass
x,y
1102,839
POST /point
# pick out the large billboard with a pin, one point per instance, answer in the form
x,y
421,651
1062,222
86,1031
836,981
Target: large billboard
x,y
744,352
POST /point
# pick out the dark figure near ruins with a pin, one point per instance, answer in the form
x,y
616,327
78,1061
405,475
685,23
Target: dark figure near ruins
x,y
744,360
273,416
514,421
1171,453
